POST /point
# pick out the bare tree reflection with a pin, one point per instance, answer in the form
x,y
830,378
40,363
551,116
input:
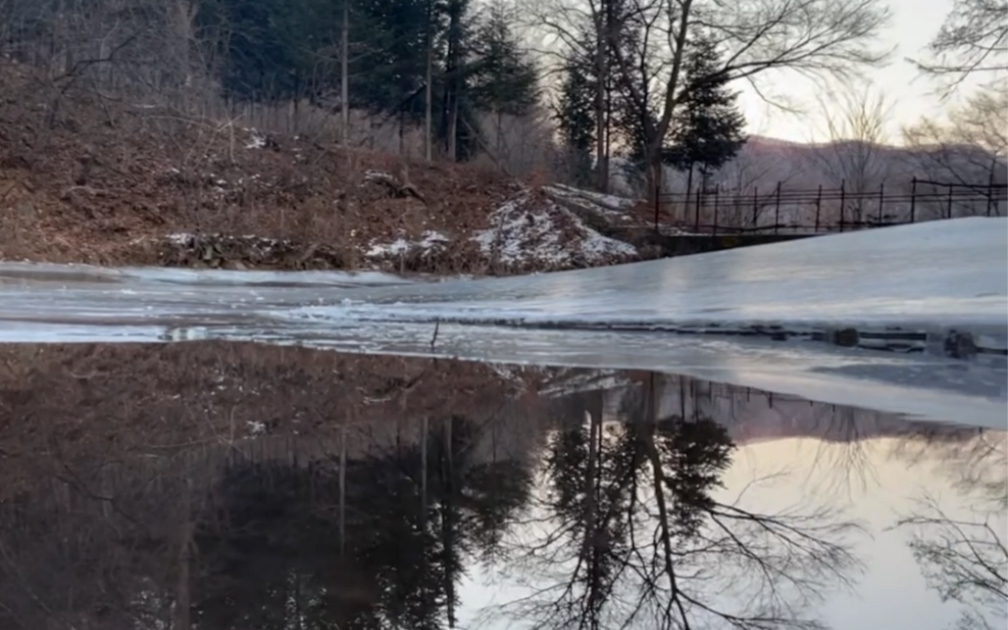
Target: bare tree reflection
x,y
964,559
630,534
169,543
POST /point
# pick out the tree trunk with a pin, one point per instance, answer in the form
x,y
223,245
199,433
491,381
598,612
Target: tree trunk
x,y
453,130
601,37
185,531
345,76
402,125
429,79
608,130
654,174
451,81
498,132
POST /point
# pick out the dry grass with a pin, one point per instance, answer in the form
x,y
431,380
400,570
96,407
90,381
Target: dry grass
x,y
104,182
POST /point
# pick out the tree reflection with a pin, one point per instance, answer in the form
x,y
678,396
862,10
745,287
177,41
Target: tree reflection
x,y
964,558
274,558
963,561
631,534
262,548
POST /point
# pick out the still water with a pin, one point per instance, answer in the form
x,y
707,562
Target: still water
x,y
252,487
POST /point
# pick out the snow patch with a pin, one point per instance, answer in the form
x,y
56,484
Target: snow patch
x,y
255,428
376,176
430,241
521,235
610,202
528,233
595,245
256,140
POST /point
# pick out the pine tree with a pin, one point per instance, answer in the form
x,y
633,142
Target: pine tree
x,y
575,115
504,79
709,129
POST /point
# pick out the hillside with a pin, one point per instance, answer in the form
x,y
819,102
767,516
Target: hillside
x,y
89,179
865,171
85,177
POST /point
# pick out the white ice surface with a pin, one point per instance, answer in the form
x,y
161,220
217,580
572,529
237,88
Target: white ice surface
x,y
927,277
938,275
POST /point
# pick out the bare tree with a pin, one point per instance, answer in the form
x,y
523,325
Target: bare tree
x,y
973,41
856,156
965,561
818,38
580,30
969,149
428,79
345,75
971,142
631,535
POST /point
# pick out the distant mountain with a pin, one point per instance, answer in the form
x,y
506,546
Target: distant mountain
x,y
864,171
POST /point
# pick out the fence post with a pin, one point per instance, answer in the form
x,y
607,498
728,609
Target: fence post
x,y
698,210
990,192
717,188
881,201
736,214
755,206
949,202
776,220
913,198
818,208
843,201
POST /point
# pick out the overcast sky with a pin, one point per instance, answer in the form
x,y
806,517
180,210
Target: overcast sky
x,y
914,24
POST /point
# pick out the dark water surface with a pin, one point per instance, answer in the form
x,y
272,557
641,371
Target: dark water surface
x,y
250,487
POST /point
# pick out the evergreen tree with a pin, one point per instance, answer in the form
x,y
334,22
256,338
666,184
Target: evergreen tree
x,y
458,129
708,131
504,79
576,114
281,49
391,75
271,42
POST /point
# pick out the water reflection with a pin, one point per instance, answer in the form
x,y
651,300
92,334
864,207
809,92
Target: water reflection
x,y
246,487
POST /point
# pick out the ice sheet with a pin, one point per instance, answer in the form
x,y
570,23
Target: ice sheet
x,y
926,278
947,274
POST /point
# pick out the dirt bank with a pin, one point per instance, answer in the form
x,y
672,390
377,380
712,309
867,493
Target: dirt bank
x,y
88,179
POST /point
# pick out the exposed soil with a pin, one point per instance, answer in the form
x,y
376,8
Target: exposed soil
x,y
88,179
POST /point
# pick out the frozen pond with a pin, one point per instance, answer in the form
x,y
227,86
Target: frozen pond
x,y
803,435
925,277
263,487
868,317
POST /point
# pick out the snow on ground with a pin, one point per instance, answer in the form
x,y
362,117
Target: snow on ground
x,y
540,233
256,140
940,287
609,212
611,202
430,241
377,176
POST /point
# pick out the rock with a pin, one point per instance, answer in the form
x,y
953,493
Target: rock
x,y
960,345
846,337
